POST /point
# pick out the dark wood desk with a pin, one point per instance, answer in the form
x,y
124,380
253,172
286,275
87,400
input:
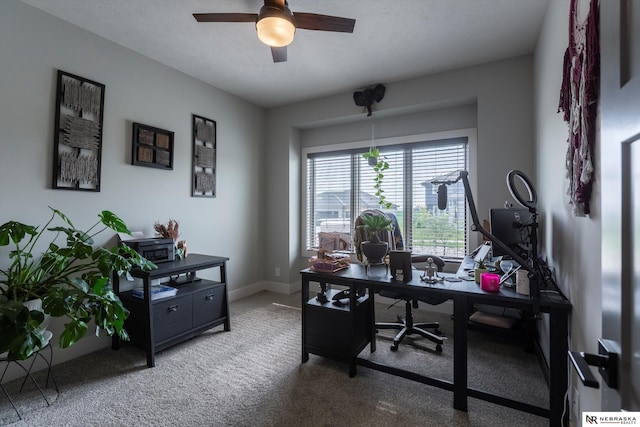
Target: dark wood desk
x,y
464,294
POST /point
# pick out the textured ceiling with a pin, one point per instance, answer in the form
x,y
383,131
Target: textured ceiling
x,y
393,40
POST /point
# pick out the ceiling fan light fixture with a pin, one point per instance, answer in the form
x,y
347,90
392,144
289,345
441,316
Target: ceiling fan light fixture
x,y
275,27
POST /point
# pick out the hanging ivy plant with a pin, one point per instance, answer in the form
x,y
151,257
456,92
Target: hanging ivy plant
x,y
379,165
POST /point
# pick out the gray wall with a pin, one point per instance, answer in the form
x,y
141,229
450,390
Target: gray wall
x,y
500,93
442,119
259,188
572,245
34,45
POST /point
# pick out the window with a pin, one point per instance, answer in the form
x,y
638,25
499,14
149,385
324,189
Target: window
x,y
340,182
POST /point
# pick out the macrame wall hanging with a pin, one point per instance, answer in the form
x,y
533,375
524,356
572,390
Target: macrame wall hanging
x,y
579,103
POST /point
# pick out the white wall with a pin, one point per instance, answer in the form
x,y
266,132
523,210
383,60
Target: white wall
x,y
439,120
500,93
571,244
34,45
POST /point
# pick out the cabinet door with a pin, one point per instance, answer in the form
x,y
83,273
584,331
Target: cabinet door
x,y
172,316
328,330
208,305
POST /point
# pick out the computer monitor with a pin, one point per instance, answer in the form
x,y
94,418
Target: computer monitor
x,y
512,227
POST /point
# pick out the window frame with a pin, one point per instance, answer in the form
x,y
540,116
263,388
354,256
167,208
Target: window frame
x,y
473,238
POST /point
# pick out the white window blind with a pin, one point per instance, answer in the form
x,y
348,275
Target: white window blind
x,y
341,182
440,232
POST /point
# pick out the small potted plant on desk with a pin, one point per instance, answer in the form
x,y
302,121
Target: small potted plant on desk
x,y
374,249
70,279
480,268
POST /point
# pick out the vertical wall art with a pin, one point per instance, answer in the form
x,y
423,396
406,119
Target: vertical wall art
x,y
77,133
579,103
151,147
204,157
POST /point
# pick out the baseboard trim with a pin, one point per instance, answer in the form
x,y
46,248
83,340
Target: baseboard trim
x,y
254,288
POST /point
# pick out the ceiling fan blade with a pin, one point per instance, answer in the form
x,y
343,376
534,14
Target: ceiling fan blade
x,y
314,21
279,54
226,17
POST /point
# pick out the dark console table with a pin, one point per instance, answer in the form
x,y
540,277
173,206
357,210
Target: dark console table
x,y
199,305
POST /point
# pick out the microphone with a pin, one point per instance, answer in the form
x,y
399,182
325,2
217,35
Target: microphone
x,y
442,197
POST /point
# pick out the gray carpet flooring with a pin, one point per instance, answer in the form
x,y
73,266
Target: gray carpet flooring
x,y
253,376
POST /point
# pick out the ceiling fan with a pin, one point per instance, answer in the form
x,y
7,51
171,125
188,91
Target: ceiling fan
x,y
276,24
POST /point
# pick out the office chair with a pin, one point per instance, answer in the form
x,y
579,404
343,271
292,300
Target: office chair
x,y
406,325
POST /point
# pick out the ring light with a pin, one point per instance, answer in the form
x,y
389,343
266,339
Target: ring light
x,y
533,197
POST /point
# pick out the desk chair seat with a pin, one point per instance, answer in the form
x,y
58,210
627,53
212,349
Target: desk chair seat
x,y
406,326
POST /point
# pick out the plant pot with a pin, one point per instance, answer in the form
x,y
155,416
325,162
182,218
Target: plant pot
x,y
36,304
375,252
477,272
372,161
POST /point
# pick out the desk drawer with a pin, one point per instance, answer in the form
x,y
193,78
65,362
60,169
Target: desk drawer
x,y
208,305
172,317
337,332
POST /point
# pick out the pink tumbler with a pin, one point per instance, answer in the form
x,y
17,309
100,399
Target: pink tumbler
x,y
490,282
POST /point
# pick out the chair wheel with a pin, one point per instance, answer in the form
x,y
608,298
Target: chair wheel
x,y
394,347
438,348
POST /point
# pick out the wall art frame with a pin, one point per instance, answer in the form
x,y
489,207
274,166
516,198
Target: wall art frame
x,y
77,141
151,147
203,180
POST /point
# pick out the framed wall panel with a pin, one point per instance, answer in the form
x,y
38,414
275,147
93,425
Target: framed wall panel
x,y
151,147
203,181
77,138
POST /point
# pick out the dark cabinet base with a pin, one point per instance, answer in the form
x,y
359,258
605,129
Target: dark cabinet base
x,y
198,306
338,332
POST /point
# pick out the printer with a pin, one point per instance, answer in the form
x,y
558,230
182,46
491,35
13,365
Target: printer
x,y
154,249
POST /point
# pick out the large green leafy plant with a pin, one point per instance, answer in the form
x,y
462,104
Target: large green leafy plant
x,y
71,277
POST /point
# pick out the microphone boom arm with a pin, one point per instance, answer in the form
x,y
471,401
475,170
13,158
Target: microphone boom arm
x,y
534,275
476,226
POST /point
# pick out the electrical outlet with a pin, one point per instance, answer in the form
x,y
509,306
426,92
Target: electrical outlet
x,y
575,405
277,273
